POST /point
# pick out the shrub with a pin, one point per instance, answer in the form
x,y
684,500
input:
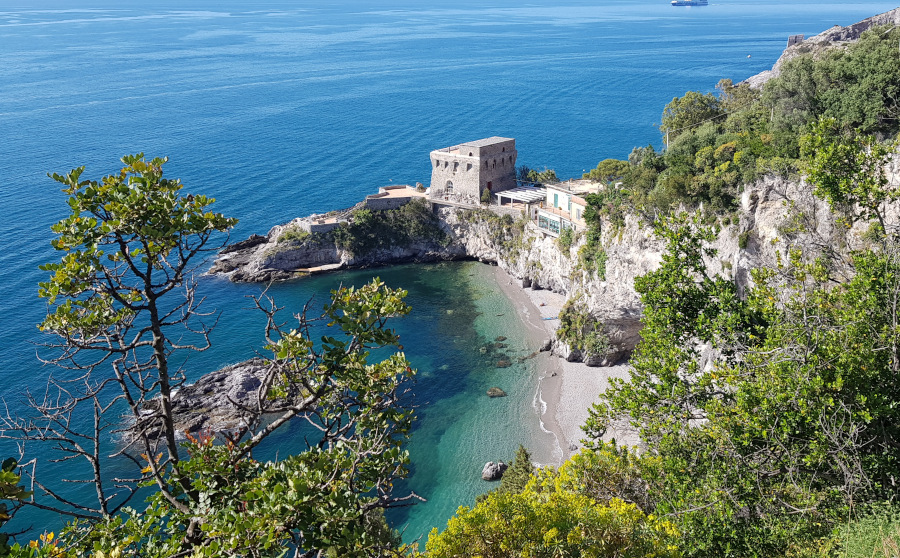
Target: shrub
x,y
579,329
875,535
566,238
373,230
293,234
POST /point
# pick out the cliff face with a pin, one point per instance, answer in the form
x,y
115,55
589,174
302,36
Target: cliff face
x,y
835,37
764,227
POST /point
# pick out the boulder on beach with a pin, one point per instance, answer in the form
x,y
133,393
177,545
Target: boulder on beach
x,y
496,392
493,471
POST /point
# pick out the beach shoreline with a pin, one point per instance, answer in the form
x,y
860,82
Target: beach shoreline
x,y
565,390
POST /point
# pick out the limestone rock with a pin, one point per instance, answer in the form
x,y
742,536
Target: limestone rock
x,y
496,392
493,471
214,402
835,37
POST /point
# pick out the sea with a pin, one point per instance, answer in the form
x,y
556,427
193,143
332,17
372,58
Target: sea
x,y
280,109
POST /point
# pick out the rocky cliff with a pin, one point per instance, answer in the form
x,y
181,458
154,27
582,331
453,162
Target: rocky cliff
x,y
835,37
751,238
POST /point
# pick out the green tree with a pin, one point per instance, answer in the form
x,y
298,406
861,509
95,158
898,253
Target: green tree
x,y
608,171
767,438
122,304
683,113
556,514
322,501
684,308
849,170
529,175
516,475
12,494
486,196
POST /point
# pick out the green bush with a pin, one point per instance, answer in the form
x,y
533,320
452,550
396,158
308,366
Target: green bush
x,y
373,230
566,238
874,535
579,330
293,234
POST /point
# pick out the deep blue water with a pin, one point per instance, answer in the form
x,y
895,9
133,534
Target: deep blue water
x,y
284,108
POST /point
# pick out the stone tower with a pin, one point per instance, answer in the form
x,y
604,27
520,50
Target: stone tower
x,y
464,171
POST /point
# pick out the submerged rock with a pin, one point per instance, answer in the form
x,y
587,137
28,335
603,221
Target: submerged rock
x,y
493,471
496,392
503,363
500,339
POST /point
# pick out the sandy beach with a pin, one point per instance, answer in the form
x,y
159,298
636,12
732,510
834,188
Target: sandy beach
x,y
567,389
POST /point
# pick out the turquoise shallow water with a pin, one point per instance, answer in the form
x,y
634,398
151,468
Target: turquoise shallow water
x,y
280,109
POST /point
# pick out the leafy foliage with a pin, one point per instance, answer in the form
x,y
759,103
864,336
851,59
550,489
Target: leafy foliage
x,y
10,491
559,513
580,330
128,244
718,143
380,230
686,112
608,171
326,498
529,175
875,534
293,234
849,170
769,417
565,239
516,475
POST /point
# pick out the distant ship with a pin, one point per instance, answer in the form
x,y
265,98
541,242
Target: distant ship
x,y
690,2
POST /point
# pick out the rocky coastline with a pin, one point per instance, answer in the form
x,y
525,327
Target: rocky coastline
x,y
747,239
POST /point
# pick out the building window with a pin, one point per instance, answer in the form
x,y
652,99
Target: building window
x,y
455,165
449,186
555,200
468,166
489,185
546,223
437,164
470,153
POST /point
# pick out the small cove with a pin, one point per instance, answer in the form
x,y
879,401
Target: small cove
x,y
451,337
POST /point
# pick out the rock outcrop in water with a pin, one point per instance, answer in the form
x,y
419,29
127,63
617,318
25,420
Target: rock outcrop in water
x,y
493,471
214,402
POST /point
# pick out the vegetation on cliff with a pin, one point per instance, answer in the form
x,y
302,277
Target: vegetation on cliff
x,y
370,230
716,143
769,418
